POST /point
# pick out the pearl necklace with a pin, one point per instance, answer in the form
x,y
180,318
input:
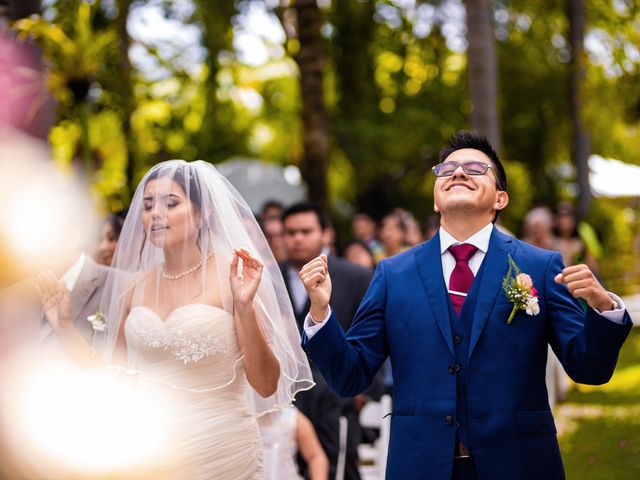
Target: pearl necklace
x,y
186,272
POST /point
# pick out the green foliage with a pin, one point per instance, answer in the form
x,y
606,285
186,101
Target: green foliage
x,y
617,230
77,58
520,195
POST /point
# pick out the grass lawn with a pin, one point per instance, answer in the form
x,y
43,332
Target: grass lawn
x,y
599,427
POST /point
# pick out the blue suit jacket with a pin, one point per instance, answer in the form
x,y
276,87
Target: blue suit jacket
x,y
404,315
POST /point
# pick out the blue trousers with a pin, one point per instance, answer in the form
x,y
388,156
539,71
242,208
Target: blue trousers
x,y
464,469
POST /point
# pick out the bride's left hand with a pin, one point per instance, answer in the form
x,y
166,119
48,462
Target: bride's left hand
x,y
244,285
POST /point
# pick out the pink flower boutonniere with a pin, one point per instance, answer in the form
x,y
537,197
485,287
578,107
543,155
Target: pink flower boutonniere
x,y
518,288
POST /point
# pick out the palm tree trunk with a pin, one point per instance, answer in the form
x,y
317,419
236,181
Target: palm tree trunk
x,y
581,144
127,98
483,70
311,62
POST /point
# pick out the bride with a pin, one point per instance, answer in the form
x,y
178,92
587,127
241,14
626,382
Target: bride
x,y
196,306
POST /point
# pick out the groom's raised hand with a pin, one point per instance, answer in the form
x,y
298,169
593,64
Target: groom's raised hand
x,y
316,280
582,283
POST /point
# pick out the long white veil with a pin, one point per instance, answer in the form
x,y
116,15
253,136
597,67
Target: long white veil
x,y
222,221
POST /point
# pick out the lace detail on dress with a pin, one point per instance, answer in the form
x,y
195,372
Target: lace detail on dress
x,y
188,348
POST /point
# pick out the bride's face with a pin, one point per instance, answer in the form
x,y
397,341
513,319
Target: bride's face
x,y
168,217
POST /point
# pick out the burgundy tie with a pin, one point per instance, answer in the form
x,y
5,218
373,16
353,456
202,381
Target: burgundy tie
x,y
462,276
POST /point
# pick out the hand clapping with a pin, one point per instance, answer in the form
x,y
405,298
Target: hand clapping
x,y
56,300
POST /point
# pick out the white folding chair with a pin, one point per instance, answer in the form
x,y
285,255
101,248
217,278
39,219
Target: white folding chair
x,y
341,464
375,415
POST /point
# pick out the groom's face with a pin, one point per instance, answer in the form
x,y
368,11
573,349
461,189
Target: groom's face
x,y
468,194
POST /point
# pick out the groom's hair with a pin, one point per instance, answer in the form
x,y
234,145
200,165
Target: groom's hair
x,y
466,139
306,207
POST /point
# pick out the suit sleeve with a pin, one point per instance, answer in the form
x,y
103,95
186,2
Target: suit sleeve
x,y
586,343
349,360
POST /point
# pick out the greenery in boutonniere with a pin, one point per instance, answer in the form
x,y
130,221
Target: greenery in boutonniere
x,y
518,288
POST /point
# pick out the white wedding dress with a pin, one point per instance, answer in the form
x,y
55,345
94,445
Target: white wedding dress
x,y
194,358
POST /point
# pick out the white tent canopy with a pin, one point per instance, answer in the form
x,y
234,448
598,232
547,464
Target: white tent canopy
x,y
613,178
259,182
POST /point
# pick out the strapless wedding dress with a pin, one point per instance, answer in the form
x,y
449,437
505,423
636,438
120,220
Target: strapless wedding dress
x,y
193,357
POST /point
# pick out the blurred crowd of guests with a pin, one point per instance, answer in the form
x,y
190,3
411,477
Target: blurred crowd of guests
x,y
372,240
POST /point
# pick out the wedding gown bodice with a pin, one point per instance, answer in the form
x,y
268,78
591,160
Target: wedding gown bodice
x,y
194,357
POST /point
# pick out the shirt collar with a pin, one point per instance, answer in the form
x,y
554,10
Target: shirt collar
x,y
480,239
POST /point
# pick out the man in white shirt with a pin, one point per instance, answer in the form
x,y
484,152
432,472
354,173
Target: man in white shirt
x,y
466,319
85,280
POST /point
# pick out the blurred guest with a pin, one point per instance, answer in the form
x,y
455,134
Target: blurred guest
x,y
538,228
270,219
109,234
357,252
538,231
329,238
285,434
431,226
364,229
393,234
414,234
274,233
567,241
304,232
271,209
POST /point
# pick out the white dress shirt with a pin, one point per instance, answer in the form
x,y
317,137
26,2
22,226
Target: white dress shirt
x,y
299,295
480,240
70,277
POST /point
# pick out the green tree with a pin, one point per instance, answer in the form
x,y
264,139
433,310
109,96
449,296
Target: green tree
x,y
581,143
482,70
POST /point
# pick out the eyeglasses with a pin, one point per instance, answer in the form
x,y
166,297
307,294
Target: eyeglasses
x,y
446,169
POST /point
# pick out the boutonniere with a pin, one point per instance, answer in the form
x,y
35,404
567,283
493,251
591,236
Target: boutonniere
x,y
98,321
518,288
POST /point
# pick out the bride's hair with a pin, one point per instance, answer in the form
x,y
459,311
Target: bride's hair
x,y
183,176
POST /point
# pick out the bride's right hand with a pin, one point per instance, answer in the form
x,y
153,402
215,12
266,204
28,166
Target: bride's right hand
x,y
56,301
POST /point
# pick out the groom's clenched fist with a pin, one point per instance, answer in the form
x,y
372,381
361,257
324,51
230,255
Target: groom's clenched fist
x,y
582,283
316,279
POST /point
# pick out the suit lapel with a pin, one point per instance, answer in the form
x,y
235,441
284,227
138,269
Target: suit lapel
x,y
429,264
496,264
85,288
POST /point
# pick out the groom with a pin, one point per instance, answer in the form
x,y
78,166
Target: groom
x,y
470,400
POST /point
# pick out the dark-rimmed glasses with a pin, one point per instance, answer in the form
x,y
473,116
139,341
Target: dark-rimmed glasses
x,y
446,169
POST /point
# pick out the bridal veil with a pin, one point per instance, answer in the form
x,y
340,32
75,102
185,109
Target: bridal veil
x,y
221,222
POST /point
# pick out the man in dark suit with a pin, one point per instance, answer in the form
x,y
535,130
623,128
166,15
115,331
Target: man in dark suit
x,y
305,226
468,356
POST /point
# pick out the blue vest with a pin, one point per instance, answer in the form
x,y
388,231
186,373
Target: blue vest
x,y
461,334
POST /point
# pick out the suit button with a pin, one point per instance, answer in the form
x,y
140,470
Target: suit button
x,y
457,339
448,420
457,424
457,367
